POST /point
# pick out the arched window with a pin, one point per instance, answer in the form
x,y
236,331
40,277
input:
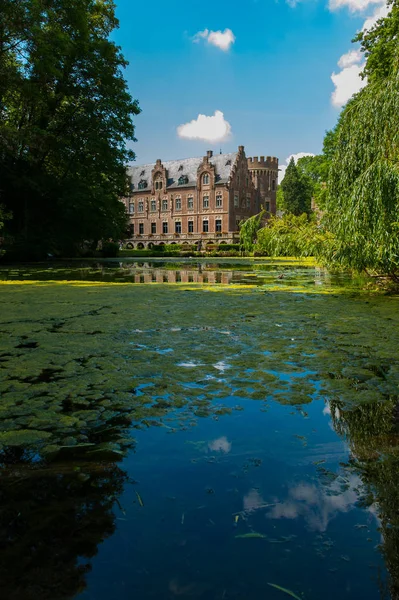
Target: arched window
x,y
205,179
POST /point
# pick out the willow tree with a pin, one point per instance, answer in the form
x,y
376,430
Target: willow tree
x,y
363,198
249,230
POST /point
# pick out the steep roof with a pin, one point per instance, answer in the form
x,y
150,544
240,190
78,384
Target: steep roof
x,y
185,167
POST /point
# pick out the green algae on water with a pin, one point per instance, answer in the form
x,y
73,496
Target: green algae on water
x,y
83,365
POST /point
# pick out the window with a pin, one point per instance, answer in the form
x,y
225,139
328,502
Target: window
x,y
183,180
132,229
131,208
153,205
205,226
158,185
191,227
141,228
141,206
273,185
153,227
165,227
190,203
142,184
178,227
178,204
248,201
218,225
219,201
205,202
267,206
205,179
164,204
236,202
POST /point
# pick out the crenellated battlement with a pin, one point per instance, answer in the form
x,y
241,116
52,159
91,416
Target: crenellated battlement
x,y
268,162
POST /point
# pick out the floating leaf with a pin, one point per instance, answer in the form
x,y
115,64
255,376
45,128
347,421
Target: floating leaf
x,y
278,587
253,534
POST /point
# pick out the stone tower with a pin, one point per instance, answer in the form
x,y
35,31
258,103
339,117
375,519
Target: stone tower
x,y
264,173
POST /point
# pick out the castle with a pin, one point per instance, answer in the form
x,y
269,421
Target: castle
x,y
198,199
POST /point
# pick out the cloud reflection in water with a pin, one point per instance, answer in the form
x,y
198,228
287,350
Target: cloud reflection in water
x,y
317,505
221,444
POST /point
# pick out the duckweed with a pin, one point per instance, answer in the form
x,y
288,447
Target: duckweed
x,y
82,364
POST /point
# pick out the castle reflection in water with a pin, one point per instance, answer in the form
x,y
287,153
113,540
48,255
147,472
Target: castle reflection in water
x,y
147,273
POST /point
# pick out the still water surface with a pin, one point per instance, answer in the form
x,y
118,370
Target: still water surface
x,y
246,446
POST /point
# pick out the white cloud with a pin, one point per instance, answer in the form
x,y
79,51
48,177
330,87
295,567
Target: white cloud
x,y
209,129
296,157
353,57
347,82
379,13
221,39
352,5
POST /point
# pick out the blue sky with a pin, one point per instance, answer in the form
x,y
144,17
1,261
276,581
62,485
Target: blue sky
x,y
263,67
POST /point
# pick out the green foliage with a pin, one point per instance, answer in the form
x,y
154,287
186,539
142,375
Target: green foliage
x,y
291,236
363,196
315,170
280,198
4,216
296,190
65,117
110,249
380,44
249,230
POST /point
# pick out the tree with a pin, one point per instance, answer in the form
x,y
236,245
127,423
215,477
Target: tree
x,y
65,117
379,45
291,235
315,169
249,230
296,191
279,198
363,195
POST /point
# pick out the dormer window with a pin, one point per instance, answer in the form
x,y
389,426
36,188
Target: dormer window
x,y
142,173
183,180
181,168
228,162
142,184
205,179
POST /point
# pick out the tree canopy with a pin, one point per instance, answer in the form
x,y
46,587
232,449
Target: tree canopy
x,y
65,119
296,191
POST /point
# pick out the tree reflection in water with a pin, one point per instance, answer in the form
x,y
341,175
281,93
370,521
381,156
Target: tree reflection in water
x,y
51,520
372,431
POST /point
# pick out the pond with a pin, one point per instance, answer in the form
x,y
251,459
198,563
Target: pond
x,y
213,430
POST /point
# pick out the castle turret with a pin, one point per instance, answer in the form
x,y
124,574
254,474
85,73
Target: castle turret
x,y
264,172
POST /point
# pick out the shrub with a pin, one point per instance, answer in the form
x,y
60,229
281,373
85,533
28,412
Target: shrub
x,y
110,249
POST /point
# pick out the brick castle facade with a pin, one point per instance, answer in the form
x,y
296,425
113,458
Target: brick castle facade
x,y
198,199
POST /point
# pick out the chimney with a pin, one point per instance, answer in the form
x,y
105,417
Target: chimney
x,y
209,153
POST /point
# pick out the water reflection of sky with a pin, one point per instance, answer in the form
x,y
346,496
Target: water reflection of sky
x,y
205,489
